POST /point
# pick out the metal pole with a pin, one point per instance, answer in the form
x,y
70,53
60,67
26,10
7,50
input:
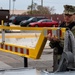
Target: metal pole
x,y
9,6
3,33
31,6
9,11
25,62
13,6
42,3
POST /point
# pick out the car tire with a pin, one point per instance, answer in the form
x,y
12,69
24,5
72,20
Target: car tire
x,y
22,26
53,25
27,25
36,25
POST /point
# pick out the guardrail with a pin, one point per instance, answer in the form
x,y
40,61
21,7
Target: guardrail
x,y
26,52
34,53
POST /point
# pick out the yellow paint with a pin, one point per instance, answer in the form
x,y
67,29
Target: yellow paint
x,y
21,28
36,52
2,22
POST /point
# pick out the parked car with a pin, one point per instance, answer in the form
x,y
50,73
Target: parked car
x,y
17,19
12,18
44,23
25,23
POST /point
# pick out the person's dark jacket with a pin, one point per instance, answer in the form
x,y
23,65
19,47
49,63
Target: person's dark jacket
x,y
59,45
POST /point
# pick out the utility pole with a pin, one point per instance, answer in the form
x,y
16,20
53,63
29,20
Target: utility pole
x,y
9,6
31,6
42,3
13,6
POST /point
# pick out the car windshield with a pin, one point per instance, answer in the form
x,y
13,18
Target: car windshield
x,y
30,19
45,20
40,21
11,18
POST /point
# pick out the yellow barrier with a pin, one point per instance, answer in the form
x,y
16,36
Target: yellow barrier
x,y
34,53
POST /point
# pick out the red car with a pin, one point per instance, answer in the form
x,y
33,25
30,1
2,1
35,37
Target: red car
x,y
44,23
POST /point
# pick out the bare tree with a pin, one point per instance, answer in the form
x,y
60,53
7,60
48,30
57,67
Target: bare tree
x,y
40,10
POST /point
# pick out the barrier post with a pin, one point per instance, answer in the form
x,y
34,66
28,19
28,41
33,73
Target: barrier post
x,y
3,33
25,62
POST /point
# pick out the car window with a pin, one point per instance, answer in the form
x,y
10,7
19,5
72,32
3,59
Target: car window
x,y
34,19
40,20
45,20
22,18
26,18
11,18
19,17
30,18
49,20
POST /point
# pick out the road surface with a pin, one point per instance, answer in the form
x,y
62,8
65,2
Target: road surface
x,y
8,61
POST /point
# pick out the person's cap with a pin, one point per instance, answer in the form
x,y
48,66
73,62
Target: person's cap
x,y
74,9
69,9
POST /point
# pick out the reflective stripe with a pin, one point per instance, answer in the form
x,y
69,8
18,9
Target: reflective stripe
x,y
53,32
14,49
49,31
27,52
1,45
24,51
19,50
58,33
5,47
8,47
45,32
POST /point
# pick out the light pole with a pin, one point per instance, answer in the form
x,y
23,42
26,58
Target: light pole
x,y
31,6
9,6
42,3
13,6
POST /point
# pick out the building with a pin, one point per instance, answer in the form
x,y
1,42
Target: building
x,y
17,12
4,15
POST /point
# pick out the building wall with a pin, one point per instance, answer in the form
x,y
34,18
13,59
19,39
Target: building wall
x,y
17,12
4,15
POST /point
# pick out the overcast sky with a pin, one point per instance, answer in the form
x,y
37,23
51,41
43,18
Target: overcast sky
x,y
23,4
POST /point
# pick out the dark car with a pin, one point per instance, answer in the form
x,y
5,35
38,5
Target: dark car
x,y
32,19
11,19
44,23
17,19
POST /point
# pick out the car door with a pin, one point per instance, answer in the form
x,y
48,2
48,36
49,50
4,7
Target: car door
x,y
34,20
46,23
43,23
49,23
